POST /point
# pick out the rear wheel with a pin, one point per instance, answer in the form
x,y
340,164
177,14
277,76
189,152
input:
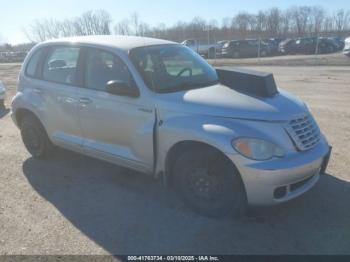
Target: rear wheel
x,y
209,183
35,138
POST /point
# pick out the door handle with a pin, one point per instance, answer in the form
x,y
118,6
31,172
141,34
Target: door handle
x,y
85,101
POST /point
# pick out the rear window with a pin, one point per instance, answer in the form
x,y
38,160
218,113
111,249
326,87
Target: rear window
x,y
32,67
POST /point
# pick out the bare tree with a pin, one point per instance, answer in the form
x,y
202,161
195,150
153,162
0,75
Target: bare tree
x,y
273,21
93,23
261,22
67,28
296,21
300,17
317,18
135,21
226,27
144,29
341,19
286,25
242,22
123,27
89,23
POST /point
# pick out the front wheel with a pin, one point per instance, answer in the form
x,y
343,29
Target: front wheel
x,y
209,183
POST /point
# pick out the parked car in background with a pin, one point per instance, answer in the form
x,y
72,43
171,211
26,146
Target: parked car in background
x,y
273,44
338,42
245,48
286,47
205,50
313,45
347,47
2,95
219,46
12,56
159,108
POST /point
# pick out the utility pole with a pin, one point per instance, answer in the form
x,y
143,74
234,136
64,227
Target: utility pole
x,y
208,31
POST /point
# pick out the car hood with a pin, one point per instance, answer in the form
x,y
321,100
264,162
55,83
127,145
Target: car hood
x,y
222,101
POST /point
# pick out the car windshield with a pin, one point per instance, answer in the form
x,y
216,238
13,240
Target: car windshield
x,y
171,68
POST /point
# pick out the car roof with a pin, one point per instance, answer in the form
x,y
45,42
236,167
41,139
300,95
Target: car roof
x,y
125,43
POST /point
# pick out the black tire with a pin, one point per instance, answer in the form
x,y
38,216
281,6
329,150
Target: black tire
x,y
209,184
35,138
2,104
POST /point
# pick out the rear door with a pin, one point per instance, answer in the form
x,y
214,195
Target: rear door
x,y
116,128
59,90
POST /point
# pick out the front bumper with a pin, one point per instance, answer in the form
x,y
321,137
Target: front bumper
x,y
280,180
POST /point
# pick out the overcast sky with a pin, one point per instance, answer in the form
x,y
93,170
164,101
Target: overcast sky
x,y
15,15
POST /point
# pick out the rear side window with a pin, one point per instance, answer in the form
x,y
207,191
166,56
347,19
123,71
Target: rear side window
x,y
61,65
32,67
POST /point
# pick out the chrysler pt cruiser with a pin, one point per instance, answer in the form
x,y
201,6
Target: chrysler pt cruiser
x,y
223,139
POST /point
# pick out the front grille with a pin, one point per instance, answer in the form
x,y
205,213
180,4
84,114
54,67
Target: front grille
x,y
304,132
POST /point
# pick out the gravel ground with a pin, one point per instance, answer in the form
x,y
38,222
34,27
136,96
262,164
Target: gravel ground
x,y
73,204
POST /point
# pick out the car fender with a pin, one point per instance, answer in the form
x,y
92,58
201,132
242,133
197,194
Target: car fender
x,y
216,132
30,103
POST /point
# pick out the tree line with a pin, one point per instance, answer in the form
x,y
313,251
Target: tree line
x,y
298,21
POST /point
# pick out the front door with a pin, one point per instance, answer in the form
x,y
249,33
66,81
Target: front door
x,y
116,128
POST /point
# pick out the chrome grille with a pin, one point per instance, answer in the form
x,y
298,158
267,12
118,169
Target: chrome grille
x,y
304,132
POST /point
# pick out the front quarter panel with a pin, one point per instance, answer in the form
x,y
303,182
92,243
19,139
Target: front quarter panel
x,y
214,131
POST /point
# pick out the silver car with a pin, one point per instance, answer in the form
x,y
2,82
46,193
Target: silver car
x,y
159,108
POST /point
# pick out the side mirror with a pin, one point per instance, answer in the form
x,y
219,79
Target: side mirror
x,y
122,88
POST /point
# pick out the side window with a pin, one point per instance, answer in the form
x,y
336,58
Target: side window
x,y
61,65
32,66
102,67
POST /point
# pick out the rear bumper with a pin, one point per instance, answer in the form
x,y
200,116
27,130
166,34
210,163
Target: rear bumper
x,y
280,180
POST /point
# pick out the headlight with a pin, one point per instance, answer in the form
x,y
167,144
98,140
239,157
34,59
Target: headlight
x,y
257,149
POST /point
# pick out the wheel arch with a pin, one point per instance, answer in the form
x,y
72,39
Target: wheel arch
x,y
176,150
20,113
